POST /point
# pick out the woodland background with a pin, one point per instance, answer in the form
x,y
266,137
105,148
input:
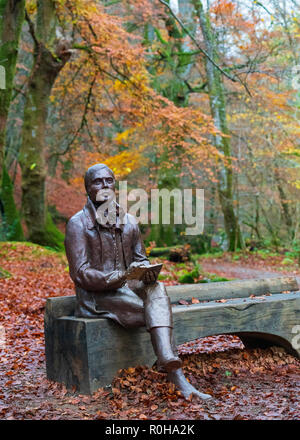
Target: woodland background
x,y
170,95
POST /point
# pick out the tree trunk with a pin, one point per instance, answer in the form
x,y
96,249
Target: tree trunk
x,y
175,90
11,19
48,61
218,112
285,206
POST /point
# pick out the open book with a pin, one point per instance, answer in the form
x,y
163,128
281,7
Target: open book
x,y
138,273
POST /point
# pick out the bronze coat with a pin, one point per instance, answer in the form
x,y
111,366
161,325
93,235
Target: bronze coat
x,y
100,288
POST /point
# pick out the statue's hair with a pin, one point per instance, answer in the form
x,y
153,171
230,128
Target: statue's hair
x,y
89,173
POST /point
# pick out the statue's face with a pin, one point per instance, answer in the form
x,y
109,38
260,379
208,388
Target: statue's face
x,y
101,186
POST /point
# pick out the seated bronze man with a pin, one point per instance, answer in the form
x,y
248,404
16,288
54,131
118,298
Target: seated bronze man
x,y
101,256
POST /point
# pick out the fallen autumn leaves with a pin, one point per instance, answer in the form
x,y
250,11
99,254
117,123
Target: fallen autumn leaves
x,y
245,384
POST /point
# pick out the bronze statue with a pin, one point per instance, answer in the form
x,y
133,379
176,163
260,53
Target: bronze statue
x,y
101,258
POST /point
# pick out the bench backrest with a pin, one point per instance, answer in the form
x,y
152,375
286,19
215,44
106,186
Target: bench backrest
x,y
233,289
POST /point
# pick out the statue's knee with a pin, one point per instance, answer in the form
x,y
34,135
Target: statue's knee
x,y
156,290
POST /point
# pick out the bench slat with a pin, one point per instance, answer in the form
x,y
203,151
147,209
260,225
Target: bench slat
x,y
232,289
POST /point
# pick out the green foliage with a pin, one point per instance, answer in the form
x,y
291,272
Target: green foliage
x,y
212,278
287,261
266,253
201,244
218,254
295,252
11,225
195,272
4,273
160,251
186,279
216,279
53,237
162,277
56,215
159,36
190,277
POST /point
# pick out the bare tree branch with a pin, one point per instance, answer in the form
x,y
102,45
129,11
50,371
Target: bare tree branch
x,y
197,44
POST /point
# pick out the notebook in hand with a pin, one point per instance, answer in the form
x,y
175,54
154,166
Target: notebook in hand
x,y
138,273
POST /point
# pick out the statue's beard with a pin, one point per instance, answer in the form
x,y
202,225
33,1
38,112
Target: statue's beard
x,y
97,204
104,196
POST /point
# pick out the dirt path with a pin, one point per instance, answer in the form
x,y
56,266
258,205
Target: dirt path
x,y
242,271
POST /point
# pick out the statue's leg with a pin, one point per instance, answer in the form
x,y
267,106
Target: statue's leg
x,y
150,305
121,305
159,322
158,317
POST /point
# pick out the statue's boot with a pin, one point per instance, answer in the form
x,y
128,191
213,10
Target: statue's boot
x,y
161,338
187,390
158,317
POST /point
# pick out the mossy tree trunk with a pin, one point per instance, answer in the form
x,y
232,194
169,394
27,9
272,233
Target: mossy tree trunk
x,y
286,209
175,89
49,58
11,225
218,111
11,19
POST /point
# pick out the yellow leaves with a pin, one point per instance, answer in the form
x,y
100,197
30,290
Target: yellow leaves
x,y
135,84
118,85
121,138
78,181
121,164
125,162
297,184
31,6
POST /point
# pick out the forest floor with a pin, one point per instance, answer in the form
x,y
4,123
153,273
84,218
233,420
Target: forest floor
x,y
245,383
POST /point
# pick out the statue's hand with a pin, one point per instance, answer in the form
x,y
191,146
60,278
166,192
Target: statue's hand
x,y
150,277
122,278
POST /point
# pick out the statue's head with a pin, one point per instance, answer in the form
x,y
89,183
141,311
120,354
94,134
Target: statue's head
x,y
99,181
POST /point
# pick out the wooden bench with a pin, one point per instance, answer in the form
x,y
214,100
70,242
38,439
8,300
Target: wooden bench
x,y
87,353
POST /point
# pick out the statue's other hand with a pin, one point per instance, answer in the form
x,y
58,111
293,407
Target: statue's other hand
x,y
117,279
122,277
136,264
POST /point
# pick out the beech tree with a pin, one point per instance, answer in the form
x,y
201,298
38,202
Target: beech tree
x,y
218,112
50,55
11,19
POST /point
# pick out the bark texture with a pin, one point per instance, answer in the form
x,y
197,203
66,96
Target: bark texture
x,y
11,19
49,58
218,111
